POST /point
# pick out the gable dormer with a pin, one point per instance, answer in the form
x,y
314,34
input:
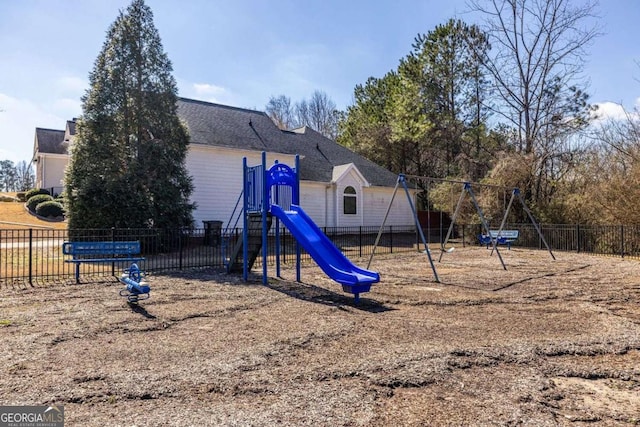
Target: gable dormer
x,y
349,184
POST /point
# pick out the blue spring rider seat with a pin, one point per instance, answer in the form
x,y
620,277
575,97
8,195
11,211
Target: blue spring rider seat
x,y
137,289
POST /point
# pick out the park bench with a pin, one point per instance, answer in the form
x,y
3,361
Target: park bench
x,y
101,252
506,237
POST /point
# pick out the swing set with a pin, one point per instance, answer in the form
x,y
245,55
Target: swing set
x,y
494,236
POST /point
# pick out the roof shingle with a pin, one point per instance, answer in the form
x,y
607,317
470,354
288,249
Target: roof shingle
x,y
50,141
220,125
225,126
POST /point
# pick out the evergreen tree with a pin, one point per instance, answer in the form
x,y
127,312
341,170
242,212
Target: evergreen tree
x,y
366,127
428,117
444,73
7,176
127,166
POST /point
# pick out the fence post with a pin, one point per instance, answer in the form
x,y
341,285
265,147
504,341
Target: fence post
x,y
180,248
463,239
283,236
622,241
360,240
540,238
578,237
113,239
31,256
391,237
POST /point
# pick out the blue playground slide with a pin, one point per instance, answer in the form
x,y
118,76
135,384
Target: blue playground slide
x,y
333,262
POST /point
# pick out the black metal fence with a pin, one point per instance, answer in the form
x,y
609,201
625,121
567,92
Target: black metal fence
x,y
36,255
612,240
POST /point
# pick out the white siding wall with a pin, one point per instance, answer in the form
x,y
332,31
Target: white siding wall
x,y
52,169
376,201
217,179
313,197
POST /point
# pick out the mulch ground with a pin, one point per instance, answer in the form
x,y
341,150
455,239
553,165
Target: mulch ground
x,y
544,343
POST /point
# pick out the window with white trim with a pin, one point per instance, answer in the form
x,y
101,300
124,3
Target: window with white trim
x,y
350,201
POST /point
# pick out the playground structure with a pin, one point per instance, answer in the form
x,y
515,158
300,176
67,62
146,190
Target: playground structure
x,y
274,193
488,236
136,288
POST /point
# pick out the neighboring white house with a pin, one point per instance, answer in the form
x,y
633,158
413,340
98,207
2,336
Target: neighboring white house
x,y
338,188
50,156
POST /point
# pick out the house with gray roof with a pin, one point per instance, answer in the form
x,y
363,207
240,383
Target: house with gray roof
x,y
338,188
51,157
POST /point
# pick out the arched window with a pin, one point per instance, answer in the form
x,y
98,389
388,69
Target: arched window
x,y
350,201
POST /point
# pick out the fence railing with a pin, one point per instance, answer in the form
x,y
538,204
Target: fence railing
x,y
614,240
36,255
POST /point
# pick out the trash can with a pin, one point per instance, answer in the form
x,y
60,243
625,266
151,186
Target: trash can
x,y
212,232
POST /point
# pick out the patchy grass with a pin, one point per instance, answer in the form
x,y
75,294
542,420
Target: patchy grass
x,y
13,215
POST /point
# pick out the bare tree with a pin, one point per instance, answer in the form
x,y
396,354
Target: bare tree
x,y
538,53
616,170
319,113
280,110
620,137
538,50
25,179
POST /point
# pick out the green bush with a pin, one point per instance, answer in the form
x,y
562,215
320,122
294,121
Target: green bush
x,y
5,198
35,191
34,201
22,196
50,209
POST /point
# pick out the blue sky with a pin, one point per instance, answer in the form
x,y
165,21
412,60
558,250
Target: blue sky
x,y
241,52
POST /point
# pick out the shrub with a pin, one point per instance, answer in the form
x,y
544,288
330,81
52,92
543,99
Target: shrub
x,y
5,198
50,209
22,196
35,191
34,201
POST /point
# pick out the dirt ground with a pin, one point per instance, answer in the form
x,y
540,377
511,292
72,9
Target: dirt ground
x,y
544,343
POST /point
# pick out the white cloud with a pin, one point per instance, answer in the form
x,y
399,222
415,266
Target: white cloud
x,y
206,89
18,120
610,111
205,92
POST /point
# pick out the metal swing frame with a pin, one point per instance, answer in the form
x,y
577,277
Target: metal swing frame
x,y
516,194
466,189
402,180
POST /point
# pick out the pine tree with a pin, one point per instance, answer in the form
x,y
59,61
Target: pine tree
x,y
127,165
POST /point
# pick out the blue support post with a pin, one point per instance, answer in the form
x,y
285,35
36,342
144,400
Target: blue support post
x,y
245,222
295,197
264,208
277,231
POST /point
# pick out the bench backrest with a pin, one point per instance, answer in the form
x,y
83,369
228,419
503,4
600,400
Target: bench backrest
x,y
507,234
101,248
